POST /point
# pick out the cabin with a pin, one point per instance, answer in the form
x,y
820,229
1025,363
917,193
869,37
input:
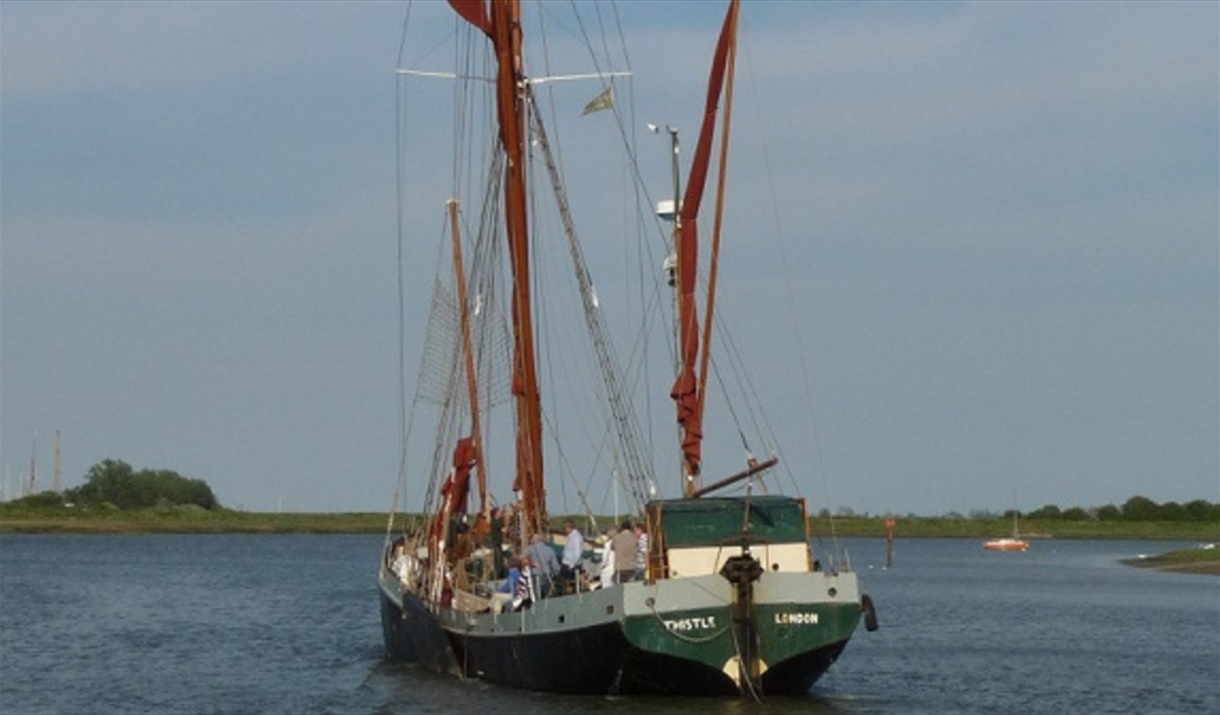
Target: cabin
x,y
694,537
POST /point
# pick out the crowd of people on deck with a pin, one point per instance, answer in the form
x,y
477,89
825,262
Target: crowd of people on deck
x,y
490,561
538,571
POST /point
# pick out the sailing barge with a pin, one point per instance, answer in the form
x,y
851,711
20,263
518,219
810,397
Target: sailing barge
x,y
732,598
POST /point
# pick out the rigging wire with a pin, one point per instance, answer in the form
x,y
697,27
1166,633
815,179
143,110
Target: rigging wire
x,y
790,292
400,484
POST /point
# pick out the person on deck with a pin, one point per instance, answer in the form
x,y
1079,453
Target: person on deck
x,y
496,538
546,564
512,528
573,554
523,593
624,546
607,572
506,592
641,550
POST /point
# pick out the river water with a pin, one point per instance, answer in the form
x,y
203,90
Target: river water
x,y
251,624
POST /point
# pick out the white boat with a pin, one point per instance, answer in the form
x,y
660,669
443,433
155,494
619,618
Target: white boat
x,y
1008,543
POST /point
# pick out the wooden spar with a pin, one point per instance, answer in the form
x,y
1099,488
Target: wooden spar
x,y
748,472
472,386
511,108
714,270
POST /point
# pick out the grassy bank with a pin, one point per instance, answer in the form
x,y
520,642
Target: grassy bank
x,y
186,519
1200,561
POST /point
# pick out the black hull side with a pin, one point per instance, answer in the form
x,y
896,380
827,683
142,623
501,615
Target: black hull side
x,y
415,636
648,673
578,661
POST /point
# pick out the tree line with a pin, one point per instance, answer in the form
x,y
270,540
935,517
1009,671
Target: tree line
x,y
113,481
1137,508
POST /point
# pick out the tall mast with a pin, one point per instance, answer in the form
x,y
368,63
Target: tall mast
x,y
510,88
503,27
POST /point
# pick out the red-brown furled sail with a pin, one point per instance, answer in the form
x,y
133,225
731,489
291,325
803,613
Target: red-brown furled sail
x,y
474,12
455,491
685,390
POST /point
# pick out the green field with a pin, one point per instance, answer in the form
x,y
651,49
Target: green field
x,y
184,520
189,519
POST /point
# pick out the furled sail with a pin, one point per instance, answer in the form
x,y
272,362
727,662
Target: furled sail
x,y
686,392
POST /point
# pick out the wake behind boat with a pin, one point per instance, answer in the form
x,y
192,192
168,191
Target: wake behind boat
x,y
728,595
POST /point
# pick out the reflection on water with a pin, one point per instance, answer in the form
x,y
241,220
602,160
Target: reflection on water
x,y
289,624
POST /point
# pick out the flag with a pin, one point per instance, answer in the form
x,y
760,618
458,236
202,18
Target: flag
x,y
605,100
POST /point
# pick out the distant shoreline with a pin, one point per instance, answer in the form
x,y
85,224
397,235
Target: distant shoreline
x,y
189,520
1203,560
1190,561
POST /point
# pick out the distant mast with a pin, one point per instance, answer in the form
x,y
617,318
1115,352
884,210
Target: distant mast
x,y
33,465
58,464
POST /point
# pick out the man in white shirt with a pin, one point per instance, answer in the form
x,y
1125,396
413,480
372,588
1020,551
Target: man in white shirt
x,y
573,553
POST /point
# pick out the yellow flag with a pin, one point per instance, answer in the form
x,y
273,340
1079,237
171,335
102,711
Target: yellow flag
x,y
605,100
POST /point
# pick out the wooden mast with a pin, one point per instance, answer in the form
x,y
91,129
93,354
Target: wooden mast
x,y
472,387
503,27
718,221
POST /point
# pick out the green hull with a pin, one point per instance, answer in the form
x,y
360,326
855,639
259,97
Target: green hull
x,y
794,618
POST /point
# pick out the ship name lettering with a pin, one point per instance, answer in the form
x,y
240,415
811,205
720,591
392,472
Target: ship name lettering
x,y
690,624
799,619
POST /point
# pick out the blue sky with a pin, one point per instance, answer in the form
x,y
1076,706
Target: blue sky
x,y
1005,217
